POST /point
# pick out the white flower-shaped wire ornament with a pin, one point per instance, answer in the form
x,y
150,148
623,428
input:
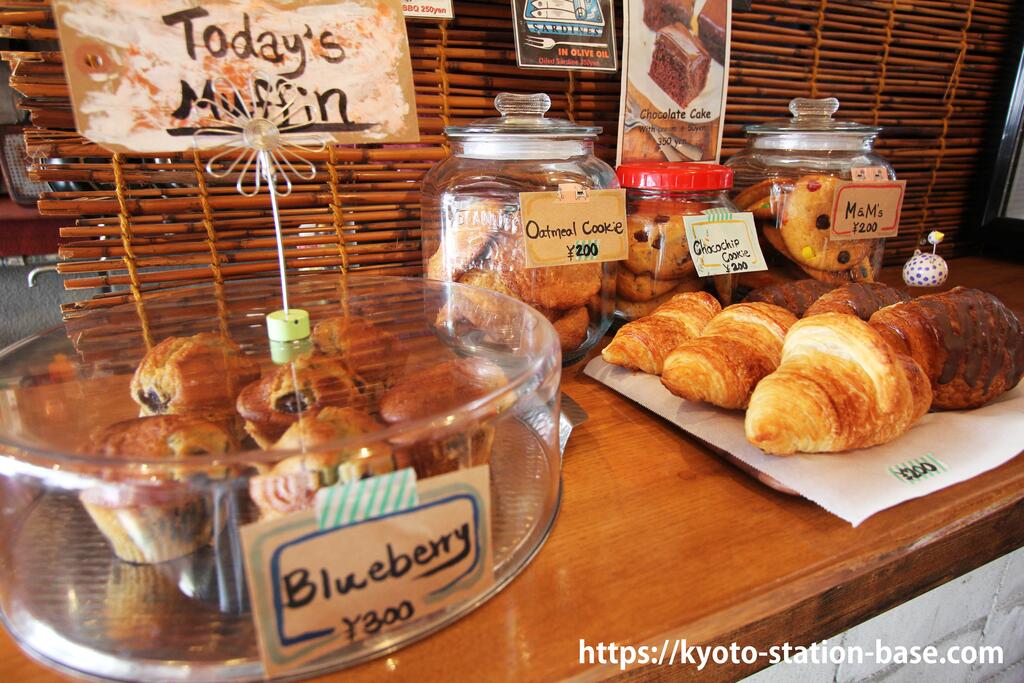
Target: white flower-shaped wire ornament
x,y
264,147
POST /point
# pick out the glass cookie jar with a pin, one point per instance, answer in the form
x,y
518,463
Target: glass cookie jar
x,y
658,196
787,175
472,226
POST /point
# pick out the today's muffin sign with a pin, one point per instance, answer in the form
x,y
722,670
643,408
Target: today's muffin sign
x,y
145,76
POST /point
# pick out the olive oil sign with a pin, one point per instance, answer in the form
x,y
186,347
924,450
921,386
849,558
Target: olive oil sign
x,y
145,76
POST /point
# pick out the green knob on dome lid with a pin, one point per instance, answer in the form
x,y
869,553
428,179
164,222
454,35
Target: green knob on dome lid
x,y
287,327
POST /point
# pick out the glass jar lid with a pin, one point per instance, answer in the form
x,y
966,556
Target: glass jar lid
x,y
522,116
813,116
812,128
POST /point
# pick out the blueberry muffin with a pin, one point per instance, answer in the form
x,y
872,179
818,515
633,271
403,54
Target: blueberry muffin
x,y
270,406
291,485
154,516
436,390
200,375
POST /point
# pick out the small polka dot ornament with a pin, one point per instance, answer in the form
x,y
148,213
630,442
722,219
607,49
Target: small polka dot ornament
x,y
926,270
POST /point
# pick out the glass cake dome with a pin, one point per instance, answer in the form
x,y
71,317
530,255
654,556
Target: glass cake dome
x,y
138,441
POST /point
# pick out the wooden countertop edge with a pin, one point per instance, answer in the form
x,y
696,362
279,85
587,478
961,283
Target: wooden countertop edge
x,y
800,609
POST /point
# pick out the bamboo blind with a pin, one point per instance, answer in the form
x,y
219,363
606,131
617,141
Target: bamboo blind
x,y
925,69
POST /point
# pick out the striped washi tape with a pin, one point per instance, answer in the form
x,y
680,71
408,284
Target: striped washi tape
x,y
718,214
364,499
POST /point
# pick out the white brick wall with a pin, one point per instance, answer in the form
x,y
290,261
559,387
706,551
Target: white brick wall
x,y
984,607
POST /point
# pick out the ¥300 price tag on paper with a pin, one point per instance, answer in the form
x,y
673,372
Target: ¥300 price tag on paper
x,y
867,210
317,589
721,243
574,225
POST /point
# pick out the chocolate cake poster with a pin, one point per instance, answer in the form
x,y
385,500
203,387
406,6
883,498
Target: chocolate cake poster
x,y
675,70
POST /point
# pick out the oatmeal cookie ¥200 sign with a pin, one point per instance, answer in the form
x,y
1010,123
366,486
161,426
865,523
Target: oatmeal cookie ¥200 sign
x,y
145,77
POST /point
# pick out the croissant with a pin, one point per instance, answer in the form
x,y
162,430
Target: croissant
x,y
644,343
795,297
839,386
739,346
861,299
970,345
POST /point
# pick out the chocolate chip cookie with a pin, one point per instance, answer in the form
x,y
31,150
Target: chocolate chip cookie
x,y
657,246
633,287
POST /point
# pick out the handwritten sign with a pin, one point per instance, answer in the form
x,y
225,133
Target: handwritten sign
x,y
574,225
722,243
867,210
316,591
145,76
924,467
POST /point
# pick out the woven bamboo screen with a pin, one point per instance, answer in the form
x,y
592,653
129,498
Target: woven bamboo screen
x,y
926,69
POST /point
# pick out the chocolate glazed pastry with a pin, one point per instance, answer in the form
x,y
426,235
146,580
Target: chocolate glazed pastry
x,y
861,299
795,297
969,343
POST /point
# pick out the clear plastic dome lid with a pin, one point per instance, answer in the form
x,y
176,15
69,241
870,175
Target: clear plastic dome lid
x,y
390,360
522,116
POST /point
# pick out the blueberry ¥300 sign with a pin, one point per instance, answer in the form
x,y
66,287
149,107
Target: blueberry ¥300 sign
x,y
145,76
319,589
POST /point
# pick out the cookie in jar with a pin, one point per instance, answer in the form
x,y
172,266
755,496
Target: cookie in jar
x,y
659,195
473,231
788,177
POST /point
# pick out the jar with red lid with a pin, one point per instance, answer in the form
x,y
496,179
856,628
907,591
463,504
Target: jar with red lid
x,y
658,196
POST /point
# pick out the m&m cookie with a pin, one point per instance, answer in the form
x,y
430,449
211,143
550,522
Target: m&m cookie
x,y
805,224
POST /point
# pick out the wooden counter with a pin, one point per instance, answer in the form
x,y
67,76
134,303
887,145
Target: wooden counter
x,y
658,538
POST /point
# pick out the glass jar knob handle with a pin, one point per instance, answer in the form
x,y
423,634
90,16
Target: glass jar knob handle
x,y
805,107
513,104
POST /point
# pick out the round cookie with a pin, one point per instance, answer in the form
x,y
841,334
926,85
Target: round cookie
x,y
805,228
633,287
774,238
486,279
757,199
460,251
860,272
572,327
476,308
657,246
558,287
632,310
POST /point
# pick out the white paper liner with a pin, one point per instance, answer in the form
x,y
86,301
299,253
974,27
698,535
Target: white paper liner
x,y
856,484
